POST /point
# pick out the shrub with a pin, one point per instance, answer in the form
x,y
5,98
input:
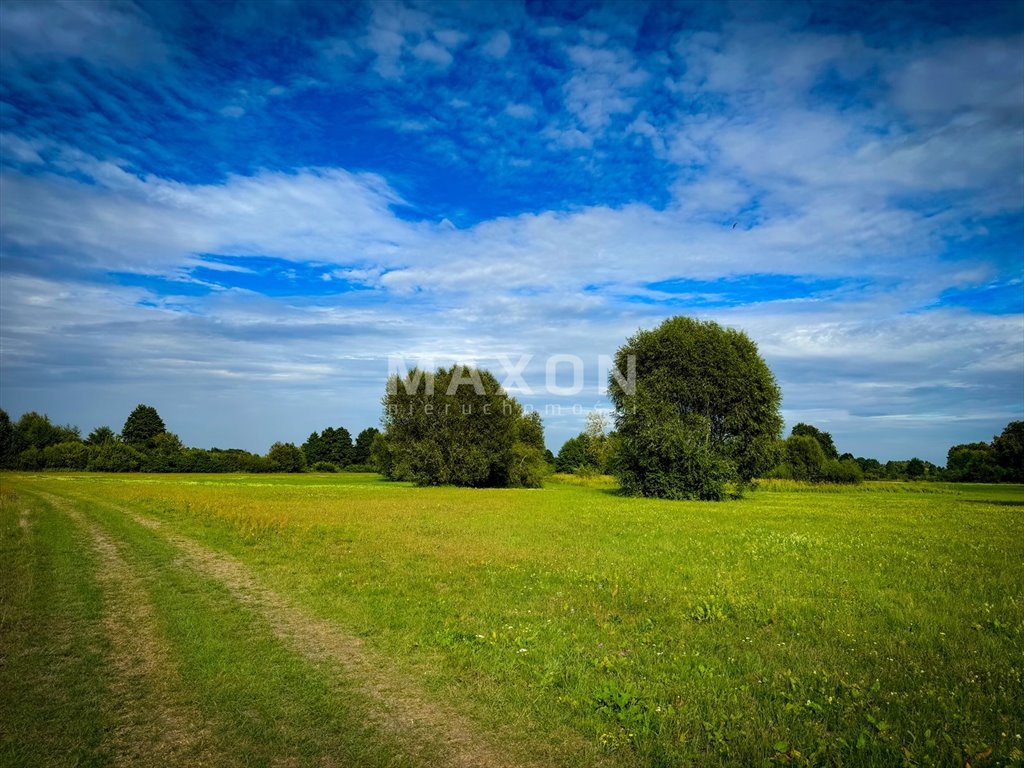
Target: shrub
x,y
114,457
528,468
846,472
67,455
323,466
163,453
31,458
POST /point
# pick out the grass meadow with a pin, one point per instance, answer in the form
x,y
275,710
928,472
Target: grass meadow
x,y
342,620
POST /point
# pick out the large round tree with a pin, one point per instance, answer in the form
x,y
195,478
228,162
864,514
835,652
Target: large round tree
x,y
457,426
701,414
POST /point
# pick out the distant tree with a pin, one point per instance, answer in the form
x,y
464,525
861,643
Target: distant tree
x,y
577,456
286,457
455,426
34,430
68,433
915,469
592,451
333,445
32,458
704,411
363,444
101,435
845,471
872,468
824,439
338,445
895,470
198,460
805,457
602,445
114,457
142,425
381,459
1009,451
313,448
597,424
72,454
218,460
8,447
163,453
805,460
973,463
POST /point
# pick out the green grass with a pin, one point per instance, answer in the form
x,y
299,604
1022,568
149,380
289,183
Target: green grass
x,y
881,625
52,646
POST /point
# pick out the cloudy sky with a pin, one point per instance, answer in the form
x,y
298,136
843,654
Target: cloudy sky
x,y
237,213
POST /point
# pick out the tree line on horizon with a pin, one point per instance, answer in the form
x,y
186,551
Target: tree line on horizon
x,y
701,421
809,454
144,444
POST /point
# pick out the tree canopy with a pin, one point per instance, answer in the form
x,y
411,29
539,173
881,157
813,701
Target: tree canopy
x,y
824,439
702,412
1009,450
1000,460
142,425
286,457
101,435
810,455
363,445
457,426
333,446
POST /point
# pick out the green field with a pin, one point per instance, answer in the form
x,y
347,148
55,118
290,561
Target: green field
x,y
341,620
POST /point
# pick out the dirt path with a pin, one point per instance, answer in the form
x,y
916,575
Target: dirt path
x,y
153,726
402,710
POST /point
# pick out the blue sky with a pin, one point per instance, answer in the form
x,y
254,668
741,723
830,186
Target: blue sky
x,y
237,212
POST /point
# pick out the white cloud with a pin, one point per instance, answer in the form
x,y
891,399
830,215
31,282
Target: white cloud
x,y
975,75
498,46
392,29
20,150
433,53
450,38
520,111
109,34
603,84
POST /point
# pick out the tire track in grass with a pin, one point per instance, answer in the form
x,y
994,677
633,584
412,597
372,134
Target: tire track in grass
x,y
52,641
152,725
404,711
